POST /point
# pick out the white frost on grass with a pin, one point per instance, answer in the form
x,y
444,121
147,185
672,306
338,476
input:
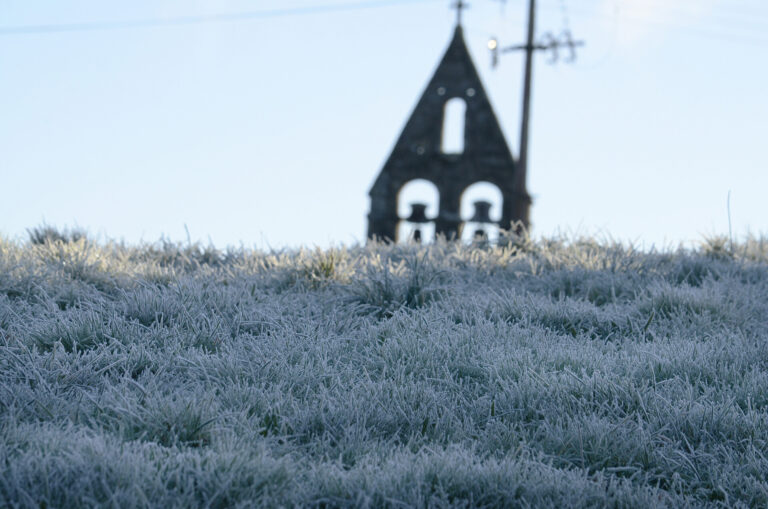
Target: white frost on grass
x,y
550,374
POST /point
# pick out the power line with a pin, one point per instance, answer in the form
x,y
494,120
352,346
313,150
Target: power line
x,y
201,19
733,32
743,33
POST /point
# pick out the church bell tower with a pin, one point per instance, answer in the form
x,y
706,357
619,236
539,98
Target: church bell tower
x,y
421,153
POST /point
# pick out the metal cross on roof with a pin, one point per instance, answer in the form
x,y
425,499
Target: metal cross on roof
x,y
459,5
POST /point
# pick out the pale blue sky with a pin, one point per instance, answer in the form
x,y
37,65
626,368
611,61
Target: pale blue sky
x,y
269,131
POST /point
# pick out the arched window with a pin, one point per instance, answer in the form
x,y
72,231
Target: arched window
x,y
480,192
454,118
415,192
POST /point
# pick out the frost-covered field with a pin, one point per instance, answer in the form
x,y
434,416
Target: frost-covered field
x,y
550,374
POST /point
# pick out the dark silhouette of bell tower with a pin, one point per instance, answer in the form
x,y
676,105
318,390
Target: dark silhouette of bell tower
x,y
420,152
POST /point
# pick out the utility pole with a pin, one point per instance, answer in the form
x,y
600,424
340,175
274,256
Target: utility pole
x,y
550,43
528,80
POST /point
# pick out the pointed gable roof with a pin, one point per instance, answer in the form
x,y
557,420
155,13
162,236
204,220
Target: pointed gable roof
x,y
455,76
418,154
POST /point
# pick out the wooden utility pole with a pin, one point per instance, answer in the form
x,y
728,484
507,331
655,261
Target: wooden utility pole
x,y
550,43
526,120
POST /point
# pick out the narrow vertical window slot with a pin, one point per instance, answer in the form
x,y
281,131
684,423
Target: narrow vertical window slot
x,y
454,119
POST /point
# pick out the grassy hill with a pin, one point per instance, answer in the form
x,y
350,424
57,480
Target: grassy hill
x,y
547,374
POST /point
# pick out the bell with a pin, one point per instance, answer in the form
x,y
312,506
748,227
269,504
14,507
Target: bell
x,y
418,213
482,212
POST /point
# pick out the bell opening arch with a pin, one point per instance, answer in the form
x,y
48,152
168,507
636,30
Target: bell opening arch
x,y
481,209
418,203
